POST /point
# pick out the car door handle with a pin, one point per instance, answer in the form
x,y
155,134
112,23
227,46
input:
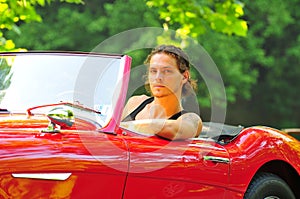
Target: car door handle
x,y
43,176
216,159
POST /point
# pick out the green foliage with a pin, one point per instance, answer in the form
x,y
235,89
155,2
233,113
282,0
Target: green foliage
x,y
14,12
83,27
273,40
124,15
4,77
236,71
4,71
195,17
261,71
57,34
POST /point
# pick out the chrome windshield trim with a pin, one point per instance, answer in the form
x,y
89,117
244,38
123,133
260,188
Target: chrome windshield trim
x,y
43,176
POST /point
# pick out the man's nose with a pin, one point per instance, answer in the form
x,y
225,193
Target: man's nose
x,y
159,75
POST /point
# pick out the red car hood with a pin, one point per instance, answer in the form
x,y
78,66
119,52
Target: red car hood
x,y
40,122
12,121
25,145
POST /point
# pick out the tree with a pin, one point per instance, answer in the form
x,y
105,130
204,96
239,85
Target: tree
x,y
85,26
194,18
14,13
265,93
191,18
275,31
260,71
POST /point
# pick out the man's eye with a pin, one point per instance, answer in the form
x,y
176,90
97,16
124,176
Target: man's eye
x,y
167,71
152,71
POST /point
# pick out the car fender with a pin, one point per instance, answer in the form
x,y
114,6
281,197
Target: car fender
x,y
255,147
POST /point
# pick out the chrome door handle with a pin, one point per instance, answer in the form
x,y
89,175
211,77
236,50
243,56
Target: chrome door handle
x,y
216,159
43,176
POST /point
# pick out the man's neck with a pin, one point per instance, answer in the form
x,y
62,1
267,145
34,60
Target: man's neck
x,y
171,104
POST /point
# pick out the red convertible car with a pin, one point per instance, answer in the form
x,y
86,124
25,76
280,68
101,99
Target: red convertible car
x,y
60,137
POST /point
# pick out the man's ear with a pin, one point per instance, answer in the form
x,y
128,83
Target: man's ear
x,y
186,76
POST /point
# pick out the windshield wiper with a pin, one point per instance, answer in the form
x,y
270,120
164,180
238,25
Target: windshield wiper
x,y
75,105
4,110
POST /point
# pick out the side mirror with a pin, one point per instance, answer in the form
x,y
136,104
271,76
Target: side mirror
x,y
61,116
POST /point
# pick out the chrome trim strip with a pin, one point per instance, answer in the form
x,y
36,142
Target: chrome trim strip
x,y
216,159
43,176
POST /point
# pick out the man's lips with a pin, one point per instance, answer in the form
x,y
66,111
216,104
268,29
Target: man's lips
x,y
158,86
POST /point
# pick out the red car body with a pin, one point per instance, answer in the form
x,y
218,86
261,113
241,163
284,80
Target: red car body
x,y
85,161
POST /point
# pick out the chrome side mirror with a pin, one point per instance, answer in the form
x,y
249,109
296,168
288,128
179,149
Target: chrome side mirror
x,y
62,117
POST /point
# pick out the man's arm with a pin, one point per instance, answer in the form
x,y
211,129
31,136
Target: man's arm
x,y
188,125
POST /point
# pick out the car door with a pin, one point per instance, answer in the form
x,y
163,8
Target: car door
x,y
79,164
176,169
78,155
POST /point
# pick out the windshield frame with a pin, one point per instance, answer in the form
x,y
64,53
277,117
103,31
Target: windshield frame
x,y
124,64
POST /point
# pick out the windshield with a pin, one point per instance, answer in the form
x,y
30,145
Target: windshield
x,y
35,79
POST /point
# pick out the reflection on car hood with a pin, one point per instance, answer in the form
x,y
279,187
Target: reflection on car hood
x,y
23,121
39,122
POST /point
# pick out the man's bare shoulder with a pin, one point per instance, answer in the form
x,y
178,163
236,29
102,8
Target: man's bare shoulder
x,y
137,99
134,101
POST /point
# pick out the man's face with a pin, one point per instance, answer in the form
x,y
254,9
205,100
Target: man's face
x,y
164,76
